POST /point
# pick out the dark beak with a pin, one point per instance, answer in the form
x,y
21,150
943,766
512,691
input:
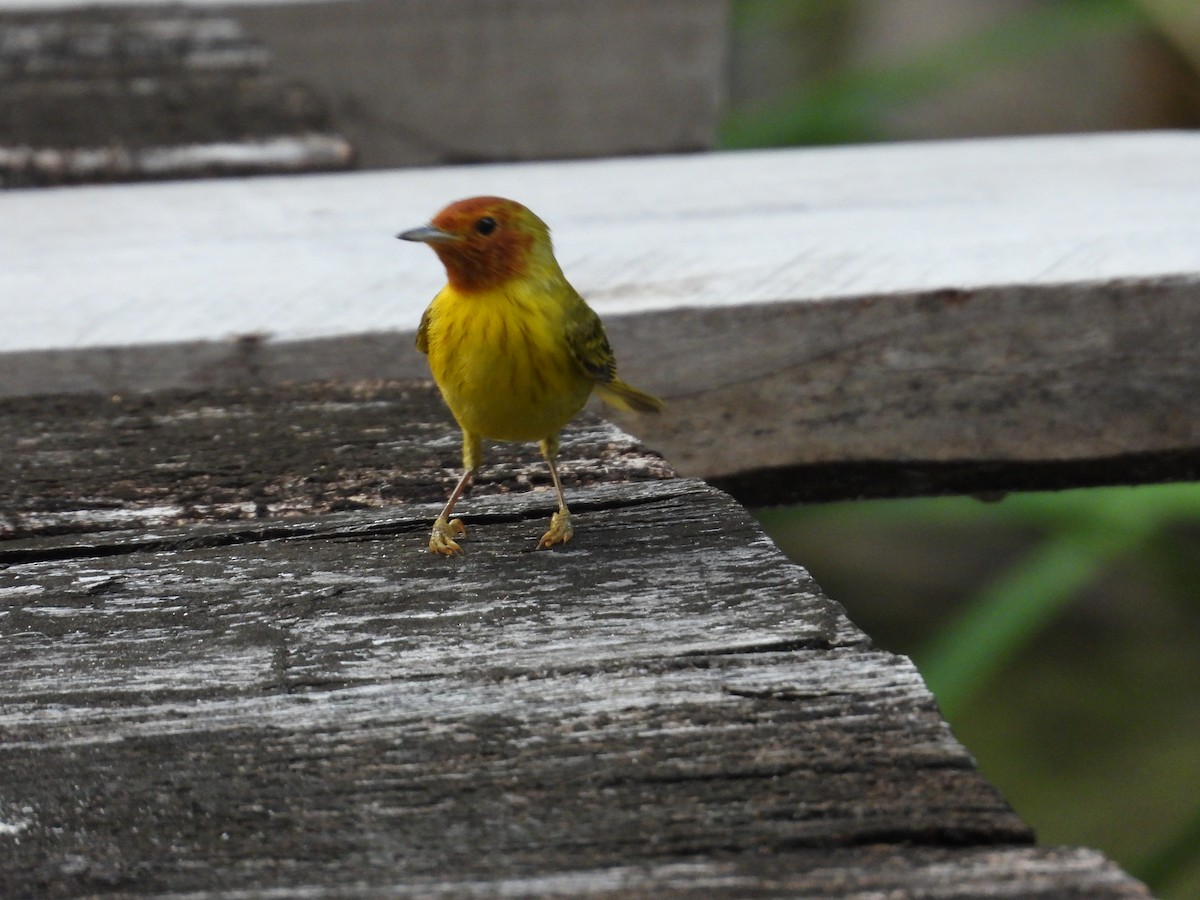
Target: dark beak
x,y
426,234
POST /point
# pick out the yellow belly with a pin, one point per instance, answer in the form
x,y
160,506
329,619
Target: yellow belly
x,y
503,366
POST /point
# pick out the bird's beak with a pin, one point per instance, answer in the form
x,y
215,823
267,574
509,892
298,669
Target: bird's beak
x,y
426,234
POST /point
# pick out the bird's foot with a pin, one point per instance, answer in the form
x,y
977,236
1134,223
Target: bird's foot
x,y
442,539
560,530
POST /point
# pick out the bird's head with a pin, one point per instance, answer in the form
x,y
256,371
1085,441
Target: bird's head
x,y
486,241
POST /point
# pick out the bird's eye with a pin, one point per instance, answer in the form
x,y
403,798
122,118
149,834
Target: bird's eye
x,y
486,225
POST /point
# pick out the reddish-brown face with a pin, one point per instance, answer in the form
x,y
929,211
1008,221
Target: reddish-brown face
x,y
483,242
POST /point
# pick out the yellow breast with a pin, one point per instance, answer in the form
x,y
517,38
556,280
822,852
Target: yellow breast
x,y
501,360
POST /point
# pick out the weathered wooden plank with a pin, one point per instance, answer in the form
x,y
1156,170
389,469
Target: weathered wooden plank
x,y
660,94
1010,388
303,714
1023,310
78,464
314,257
105,94
323,698
370,62
281,702
91,43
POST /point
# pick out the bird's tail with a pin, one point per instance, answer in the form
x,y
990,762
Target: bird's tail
x,y
624,396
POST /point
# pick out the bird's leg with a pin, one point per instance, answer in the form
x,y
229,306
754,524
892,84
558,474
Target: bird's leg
x,y
445,529
560,530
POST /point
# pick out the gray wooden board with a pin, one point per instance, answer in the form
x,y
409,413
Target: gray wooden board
x,y
339,707
301,701
112,94
74,464
434,81
1010,388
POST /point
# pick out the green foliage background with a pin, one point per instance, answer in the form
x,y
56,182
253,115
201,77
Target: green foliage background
x,y
1060,632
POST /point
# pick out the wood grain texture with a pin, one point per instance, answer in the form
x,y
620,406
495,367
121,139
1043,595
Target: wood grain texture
x,y
1010,388
315,257
978,315
127,94
304,702
452,93
83,464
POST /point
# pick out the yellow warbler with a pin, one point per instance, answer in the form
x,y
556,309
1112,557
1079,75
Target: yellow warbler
x,y
514,349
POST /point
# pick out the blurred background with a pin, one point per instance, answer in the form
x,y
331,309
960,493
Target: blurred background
x,y
1060,632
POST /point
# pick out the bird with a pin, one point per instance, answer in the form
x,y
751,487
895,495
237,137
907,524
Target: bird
x,y
514,349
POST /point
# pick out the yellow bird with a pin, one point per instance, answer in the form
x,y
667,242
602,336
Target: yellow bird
x,y
514,349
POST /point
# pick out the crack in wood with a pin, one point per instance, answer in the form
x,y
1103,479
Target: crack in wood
x,y
397,522
781,646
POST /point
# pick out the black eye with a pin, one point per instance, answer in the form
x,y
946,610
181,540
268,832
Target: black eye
x,y
486,225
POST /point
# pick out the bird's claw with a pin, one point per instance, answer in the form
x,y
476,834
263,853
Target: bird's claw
x,y
442,539
560,530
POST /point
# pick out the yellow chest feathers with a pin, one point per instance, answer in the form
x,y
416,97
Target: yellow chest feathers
x,y
503,364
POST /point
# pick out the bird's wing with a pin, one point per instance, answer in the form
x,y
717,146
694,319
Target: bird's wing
x,y
589,344
423,332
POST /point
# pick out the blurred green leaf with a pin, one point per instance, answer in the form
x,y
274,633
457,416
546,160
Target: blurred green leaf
x,y
1006,615
1180,851
1085,532
847,106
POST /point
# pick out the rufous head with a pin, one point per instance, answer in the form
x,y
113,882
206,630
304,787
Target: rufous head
x,y
485,241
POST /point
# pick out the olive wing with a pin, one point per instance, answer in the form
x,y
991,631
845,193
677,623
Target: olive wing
x,y
589,344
